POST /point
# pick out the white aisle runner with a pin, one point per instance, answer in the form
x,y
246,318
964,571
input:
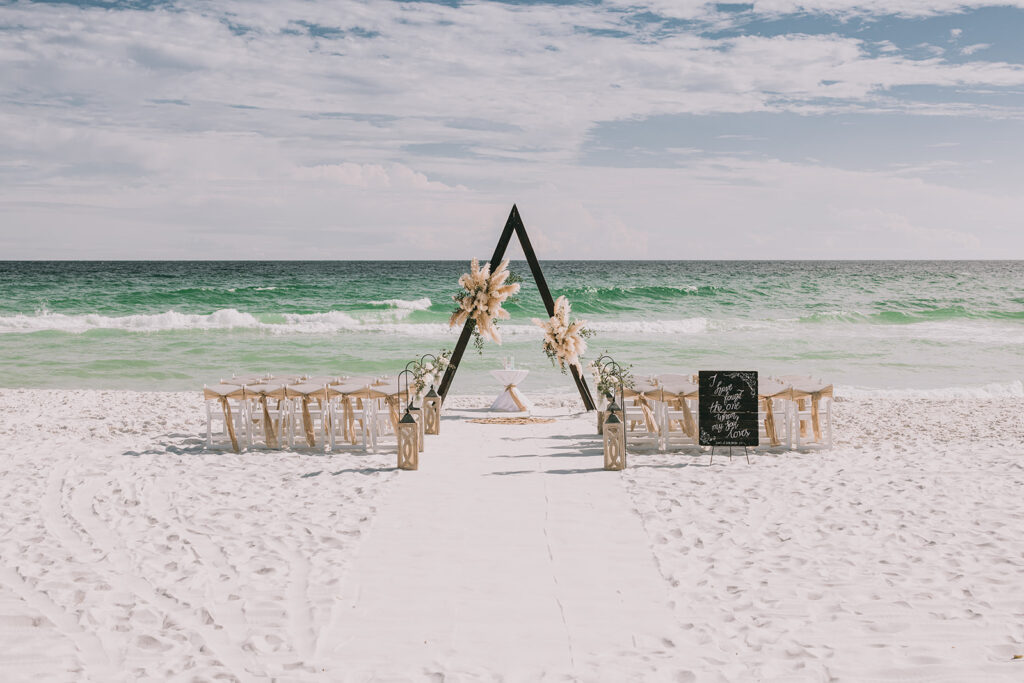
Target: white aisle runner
x,y
515,560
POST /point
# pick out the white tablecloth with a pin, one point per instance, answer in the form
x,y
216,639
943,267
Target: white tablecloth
x,y
505,402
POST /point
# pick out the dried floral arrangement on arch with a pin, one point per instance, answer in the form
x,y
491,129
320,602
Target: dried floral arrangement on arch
x,y
481,304
481,299
564,339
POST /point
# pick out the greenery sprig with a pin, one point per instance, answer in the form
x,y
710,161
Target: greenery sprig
x,y
608,379
430,372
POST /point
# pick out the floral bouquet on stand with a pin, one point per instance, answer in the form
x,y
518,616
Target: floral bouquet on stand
x,y
609,380
427,372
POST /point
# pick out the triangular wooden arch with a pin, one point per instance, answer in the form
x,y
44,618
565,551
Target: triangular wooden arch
x,y
513,224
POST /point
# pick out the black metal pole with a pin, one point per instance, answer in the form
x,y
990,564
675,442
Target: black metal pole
x,y
513,224
404,373
467,330
407,372
549,302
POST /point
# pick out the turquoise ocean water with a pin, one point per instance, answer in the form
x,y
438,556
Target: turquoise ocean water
x,y
174,325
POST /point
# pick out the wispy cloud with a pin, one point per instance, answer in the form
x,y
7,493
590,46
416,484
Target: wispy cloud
x,y
196,115
971,49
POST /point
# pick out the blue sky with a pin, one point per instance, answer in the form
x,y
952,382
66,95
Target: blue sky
x,y
665,129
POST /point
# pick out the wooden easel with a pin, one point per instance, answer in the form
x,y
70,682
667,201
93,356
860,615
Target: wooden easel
x,y
513,224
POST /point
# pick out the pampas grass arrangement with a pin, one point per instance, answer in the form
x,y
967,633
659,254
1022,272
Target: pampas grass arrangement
x,y
564,341
482,297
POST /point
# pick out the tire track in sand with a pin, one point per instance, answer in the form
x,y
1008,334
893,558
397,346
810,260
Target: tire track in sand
x,y
118,569
55,523
300,620
89,647
227,615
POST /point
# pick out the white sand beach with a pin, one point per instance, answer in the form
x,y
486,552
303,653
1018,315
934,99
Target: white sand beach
x,y
795,224
132,553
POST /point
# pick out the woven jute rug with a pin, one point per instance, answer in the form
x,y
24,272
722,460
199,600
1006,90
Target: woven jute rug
x,y
512,420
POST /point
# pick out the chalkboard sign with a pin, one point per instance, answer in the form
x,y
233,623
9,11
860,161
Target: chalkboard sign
x,y
728,408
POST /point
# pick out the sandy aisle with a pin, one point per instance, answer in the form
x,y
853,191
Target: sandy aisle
x,y
509,551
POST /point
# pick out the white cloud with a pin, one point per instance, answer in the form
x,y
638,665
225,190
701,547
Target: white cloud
x,y
877,225
905,8
711,208
394,176
151,132
971,49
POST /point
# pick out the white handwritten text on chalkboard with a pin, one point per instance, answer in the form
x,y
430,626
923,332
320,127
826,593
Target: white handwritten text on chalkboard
x,y
728,408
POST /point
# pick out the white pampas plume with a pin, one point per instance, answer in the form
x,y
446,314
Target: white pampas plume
x,y
563,339
485,294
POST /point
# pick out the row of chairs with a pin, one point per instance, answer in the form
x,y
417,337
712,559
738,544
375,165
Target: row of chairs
x,y
280,411
661,412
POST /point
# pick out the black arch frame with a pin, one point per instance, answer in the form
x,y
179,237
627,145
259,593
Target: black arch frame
x,y
513,224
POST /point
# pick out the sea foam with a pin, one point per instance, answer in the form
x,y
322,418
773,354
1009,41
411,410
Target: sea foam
x,y
223,319
403,304
1014,389
393,320
45,320
325,322
652,327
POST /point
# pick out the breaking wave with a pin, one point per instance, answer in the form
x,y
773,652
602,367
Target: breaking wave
x,y
906,317
326,322
404,305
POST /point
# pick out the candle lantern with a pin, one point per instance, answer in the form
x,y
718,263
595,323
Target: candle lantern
x,y
432,412
614,442
607,372
602,413
408,443
417,415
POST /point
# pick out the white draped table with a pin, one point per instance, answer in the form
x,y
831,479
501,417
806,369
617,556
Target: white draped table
x,y
506,402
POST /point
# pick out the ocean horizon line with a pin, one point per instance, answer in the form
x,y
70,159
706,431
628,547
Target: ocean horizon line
x,y
542,260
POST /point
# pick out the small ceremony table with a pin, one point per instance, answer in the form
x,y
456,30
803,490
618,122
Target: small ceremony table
x,y
510,400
